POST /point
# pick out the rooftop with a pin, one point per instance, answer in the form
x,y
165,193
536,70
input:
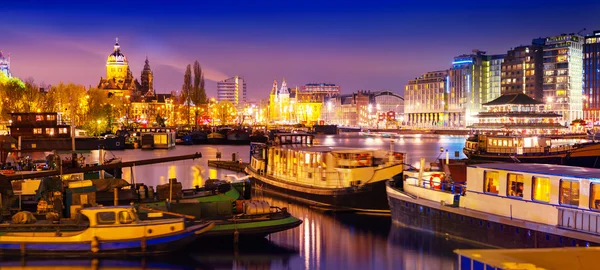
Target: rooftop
x,y
544,169
513,99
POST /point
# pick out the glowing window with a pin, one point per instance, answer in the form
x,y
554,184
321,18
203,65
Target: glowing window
x,y
569,192
491,182
50,131
595,196
541,189
37,131
515,185
39,117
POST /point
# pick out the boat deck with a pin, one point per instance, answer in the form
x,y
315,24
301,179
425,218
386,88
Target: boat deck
x,y
545,258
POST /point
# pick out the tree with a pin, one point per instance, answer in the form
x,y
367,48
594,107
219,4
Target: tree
x,y
186,90
198,95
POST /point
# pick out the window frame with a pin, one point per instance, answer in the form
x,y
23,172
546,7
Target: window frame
x,y
571,181
508,186
533,189
485,182
100,221
591,192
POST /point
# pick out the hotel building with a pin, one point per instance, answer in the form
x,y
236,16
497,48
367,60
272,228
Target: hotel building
x,y
591,82
426,100
563,75
523,70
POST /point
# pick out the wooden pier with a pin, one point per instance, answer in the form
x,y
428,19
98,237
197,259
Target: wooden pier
x,y
228,165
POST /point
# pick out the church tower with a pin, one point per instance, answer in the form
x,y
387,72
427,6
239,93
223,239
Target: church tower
x,y
117,66
147,80
5,65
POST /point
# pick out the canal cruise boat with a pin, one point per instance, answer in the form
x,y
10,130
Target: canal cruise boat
x,y
97,231
333,178
515,128
505,205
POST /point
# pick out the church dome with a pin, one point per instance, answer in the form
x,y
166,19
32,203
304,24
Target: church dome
x,y
117,56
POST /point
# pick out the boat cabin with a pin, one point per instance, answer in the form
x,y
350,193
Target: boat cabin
x,y
557,195
39,125
110,215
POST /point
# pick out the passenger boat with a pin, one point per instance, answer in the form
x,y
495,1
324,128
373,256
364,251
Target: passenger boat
x,y
515,128
333,178
105,231
229,206
505,205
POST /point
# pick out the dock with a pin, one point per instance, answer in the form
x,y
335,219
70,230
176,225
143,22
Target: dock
x,y
228,165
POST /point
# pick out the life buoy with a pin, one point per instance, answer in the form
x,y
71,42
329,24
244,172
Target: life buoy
x,y
437,184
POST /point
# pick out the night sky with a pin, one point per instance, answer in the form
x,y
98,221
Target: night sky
x,y
369,45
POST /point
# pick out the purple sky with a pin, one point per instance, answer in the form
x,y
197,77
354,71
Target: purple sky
x,y
371,46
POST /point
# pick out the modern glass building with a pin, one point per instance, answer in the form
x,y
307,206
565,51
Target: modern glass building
x,y
591,82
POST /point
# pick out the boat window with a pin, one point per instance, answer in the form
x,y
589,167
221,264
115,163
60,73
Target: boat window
x,y
595,196
515,185
106,217
541,189
569,192
491,182
125,217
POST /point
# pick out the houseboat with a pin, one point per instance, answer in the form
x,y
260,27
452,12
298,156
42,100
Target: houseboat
x,y
47,131
515,128
505,205
333,178
105,231
157,138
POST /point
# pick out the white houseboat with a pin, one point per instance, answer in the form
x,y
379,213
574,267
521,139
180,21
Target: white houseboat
x,y
505,205
329,177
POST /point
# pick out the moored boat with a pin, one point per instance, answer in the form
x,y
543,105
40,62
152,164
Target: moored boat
x,y
333,178
105,231
505,205
238,136
216,138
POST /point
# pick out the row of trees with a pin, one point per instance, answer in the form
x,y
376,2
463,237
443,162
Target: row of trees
x,y
194,93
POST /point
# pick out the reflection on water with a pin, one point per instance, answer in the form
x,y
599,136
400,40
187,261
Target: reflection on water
x,y
159,262
323,241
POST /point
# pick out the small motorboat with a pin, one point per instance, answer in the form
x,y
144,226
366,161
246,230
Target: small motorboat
x,y
97,231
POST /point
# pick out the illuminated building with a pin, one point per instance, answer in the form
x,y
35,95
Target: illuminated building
x,y
388,107
147,78
119,81
363,109
523,70
145,109
232,89
469,83
563,75
281,105
5,65
426,100
591,84
318,91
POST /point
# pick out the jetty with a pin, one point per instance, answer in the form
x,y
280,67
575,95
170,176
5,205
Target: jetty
x,y
228,165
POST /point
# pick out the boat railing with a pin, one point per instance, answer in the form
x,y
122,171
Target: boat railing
x,y
579,220
439,185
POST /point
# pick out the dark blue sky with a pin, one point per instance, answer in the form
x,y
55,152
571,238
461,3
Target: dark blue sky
x,y
368,45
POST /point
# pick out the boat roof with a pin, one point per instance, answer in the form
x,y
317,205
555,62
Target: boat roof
x,y
539,258
96,208
323,148
544,169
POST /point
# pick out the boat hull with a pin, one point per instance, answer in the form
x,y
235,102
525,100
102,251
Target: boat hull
x,y
447,221
368,198
145,246
252,229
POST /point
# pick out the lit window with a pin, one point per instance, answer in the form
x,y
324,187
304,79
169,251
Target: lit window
x,y
595,196
491,182
515,185
569,193
50,117
62,131
541,189
37,131
50,131
39,117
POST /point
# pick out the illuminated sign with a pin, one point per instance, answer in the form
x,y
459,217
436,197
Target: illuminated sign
x,y
462,62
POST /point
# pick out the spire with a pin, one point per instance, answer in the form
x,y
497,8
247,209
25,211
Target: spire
x,y
284,89
117,47
274,89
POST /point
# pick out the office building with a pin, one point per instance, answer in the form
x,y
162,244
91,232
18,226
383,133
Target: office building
x,y
523,70
426,101
563,76
233,90
591,71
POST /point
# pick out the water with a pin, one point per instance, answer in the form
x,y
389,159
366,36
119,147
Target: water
x,y
323,241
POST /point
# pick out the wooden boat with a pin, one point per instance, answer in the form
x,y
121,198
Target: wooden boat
x,y
505,205
230,208
329,177
105,231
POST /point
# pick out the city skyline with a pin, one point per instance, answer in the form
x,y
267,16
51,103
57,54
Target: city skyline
x,y
375,47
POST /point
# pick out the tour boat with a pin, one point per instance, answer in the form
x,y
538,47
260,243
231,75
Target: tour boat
x,y
506,205
99,231
334,178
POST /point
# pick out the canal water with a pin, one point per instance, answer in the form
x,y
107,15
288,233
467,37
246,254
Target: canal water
x,y
324,240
